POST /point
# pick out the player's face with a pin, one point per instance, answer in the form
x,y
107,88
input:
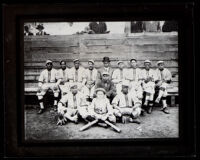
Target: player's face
x,y
147,66
125,89
91,65
106,64
100,94
77,64
74,90
133,64
161,66
49,66
63,65
105,77
121,65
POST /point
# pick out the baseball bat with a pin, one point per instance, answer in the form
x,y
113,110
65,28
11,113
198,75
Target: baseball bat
x,y
88,125
113,126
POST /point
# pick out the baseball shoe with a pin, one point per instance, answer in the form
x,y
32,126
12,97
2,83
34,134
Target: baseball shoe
x,y
131,120
165,110
40,111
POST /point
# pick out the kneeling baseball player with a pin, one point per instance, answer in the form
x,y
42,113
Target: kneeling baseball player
x,y
71,106
126,104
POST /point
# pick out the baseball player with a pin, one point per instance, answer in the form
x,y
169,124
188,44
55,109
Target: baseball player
x,y
135,78
71,105
100,107
163,76
77,74
148,85
126,103
64,74
119,75
91,79
49,79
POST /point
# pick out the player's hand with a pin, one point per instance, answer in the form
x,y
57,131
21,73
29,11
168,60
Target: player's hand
x,y
61,121
75,119
39,89
159,83
103,118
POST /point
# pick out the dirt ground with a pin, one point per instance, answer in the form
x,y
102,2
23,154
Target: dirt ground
x,y
156,125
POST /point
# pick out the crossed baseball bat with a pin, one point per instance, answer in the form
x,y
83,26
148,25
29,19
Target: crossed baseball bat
x,y
95,121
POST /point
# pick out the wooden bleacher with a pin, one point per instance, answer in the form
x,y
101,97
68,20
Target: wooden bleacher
x,y
142,46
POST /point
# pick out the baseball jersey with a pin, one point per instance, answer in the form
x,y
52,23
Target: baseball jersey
x,y
118,75
122,100
100,106
77,75
91,75
165,74
64,74
49,76
73,101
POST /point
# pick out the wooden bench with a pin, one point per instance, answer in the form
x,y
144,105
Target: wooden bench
x,y
142,46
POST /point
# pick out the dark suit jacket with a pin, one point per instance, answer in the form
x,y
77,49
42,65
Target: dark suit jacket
x,y
110,88
101,70
98,28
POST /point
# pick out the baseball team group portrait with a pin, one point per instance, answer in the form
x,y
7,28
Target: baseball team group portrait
x,y
101,80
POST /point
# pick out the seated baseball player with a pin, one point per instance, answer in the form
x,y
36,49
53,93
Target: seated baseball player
x,y
100,107
163,76
71,105
108,85
135,78
64,74
48,80
148,85
126,104
91,78
119,75
77,74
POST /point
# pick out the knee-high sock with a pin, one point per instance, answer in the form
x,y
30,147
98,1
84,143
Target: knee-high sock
x,y
164,102
40,99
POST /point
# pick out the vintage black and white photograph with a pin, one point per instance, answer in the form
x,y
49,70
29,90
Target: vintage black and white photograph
x,y
101,80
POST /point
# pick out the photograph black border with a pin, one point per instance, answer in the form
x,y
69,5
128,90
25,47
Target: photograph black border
x,y
14,15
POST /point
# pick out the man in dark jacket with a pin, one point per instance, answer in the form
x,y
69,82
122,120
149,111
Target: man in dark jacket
x,y
106,67
98,27
108,85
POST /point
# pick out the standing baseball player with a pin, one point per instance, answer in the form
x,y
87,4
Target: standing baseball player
x,y
148,85
71,105
64,74
77,74
91,79
49,79
163,76
127,104
119,75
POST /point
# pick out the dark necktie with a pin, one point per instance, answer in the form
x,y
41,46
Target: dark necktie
x,y
64,75
121,74
76,75
147,74
90,75
49,76
126,99
162,75
74,101
134,74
